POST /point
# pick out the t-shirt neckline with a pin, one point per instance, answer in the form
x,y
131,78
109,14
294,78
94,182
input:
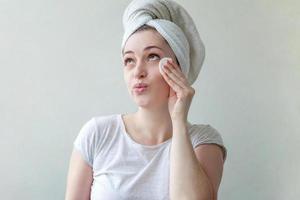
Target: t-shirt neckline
x,y
119,116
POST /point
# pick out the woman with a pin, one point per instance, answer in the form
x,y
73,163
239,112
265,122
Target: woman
x,y
154,153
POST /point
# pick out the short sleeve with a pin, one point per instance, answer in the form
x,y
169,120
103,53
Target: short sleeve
x,y
85,141
206,134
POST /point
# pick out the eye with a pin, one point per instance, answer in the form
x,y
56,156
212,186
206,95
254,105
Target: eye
x,y
128,61
153,56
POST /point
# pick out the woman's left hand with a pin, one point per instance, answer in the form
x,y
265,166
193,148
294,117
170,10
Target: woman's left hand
x,y
181,93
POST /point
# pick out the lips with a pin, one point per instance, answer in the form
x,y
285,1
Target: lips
x,y
140,85
139,88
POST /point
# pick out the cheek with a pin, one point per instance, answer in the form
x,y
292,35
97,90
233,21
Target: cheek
x,y
155,73
161,80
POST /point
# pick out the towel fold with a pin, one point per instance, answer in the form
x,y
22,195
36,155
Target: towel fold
x,y
175,25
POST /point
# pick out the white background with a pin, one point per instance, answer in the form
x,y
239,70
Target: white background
x,y
60,65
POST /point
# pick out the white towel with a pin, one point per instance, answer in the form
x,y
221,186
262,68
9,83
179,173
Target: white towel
x,y
174,23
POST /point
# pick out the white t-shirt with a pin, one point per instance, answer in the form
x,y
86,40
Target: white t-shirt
x,y
126,170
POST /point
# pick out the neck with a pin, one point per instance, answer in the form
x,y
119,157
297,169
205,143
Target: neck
x,y
153,125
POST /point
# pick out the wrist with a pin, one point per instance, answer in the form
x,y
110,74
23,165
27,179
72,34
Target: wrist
x,y
179,119
179,122
179,128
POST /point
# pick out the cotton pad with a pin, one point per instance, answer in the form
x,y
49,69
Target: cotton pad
x,y
162,62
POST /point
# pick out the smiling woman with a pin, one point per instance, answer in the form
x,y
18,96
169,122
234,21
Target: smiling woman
x,y
154,153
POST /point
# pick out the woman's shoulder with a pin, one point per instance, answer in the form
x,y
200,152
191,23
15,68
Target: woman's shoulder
x,y
201,128
96,128
105,119
99,123
93,134
206,134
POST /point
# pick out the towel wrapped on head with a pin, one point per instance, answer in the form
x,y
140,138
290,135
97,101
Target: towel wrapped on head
x,y
174,24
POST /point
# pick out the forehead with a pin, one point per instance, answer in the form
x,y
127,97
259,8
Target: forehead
x,y
144,38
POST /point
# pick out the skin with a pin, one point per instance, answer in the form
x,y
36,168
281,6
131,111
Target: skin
x,y
140,64
162,113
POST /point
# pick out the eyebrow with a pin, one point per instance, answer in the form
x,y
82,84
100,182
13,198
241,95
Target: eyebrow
x,y
146,48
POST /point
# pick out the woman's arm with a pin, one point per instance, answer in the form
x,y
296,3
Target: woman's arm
x,y
211,159
80,178
194,174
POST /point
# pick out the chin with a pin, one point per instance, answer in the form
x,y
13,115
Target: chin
x,y
142,102
148,103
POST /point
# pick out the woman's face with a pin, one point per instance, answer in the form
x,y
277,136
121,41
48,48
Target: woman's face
x,y
142,53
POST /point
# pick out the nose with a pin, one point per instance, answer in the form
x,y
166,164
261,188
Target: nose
x,y
140,70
